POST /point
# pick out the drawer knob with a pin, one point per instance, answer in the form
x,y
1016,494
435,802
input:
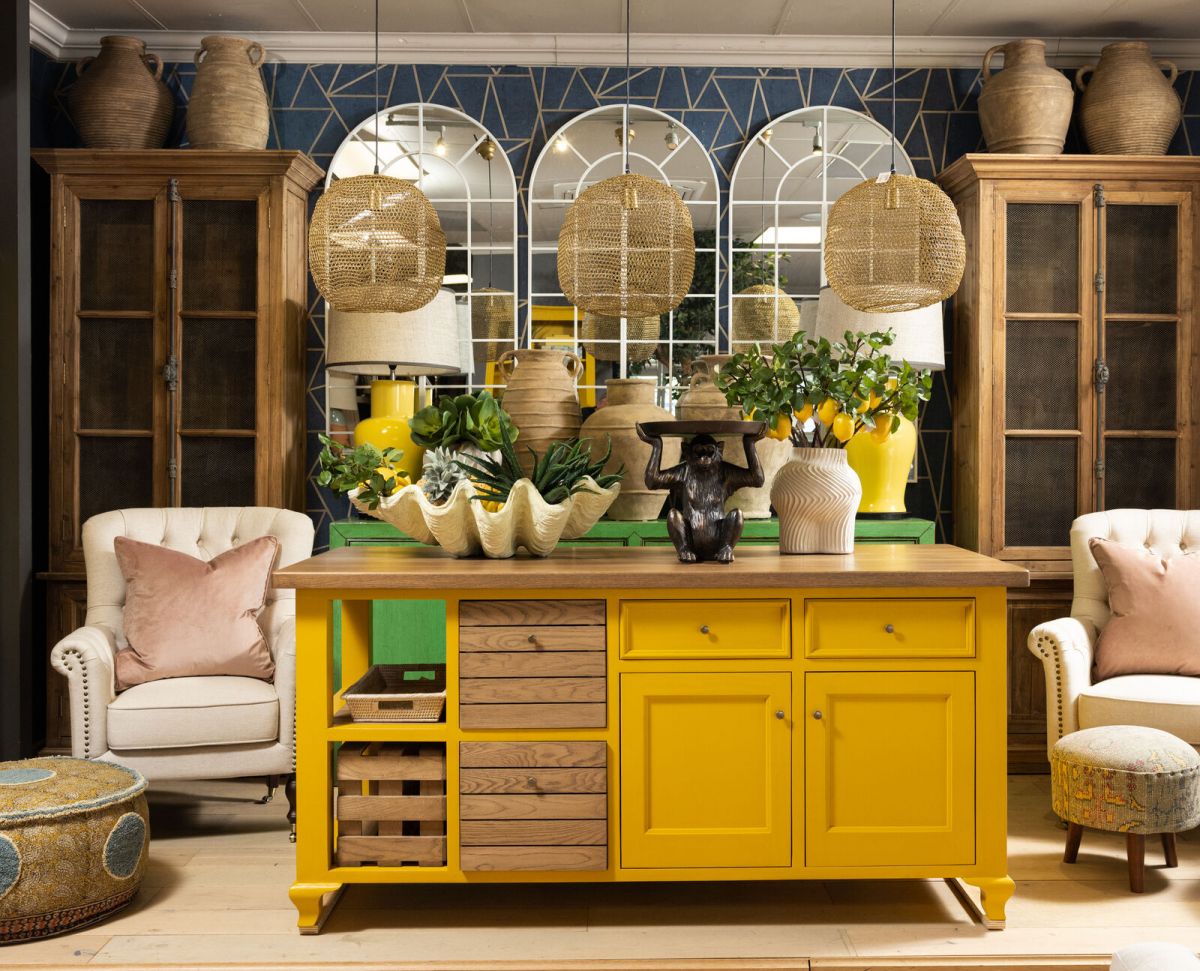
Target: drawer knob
x,y
817,714
533,638
889,628
779,714
531,782
704,628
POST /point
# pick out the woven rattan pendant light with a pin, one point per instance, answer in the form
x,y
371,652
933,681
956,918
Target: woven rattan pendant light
x,y
375,242
491,307
894,244
600,336
626,248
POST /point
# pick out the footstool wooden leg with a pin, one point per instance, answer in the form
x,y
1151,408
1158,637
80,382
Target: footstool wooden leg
x,y
1135,850
1170,851
1074,837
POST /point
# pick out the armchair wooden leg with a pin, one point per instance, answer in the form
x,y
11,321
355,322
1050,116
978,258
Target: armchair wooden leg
x,y
289,790
1170,851
1135,850
272,785
1074,838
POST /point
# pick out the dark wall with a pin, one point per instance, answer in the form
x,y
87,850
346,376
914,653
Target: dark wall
x,y
314,107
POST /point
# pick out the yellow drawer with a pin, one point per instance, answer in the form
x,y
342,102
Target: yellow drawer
x,y
680,629
881,629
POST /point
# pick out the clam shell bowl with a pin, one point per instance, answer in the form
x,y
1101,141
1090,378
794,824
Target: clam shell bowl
x,y
463,527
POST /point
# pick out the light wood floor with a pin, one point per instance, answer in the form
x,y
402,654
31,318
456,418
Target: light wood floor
x,y
220,866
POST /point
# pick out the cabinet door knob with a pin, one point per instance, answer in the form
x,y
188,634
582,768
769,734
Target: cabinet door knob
x,y
780,715
817,714
533,638
889,628
704,628
531,782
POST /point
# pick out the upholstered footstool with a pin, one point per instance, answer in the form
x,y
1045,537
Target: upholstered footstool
x,y
1126,779
73,838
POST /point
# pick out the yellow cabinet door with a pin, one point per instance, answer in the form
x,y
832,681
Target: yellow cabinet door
x,y
889,768
705,770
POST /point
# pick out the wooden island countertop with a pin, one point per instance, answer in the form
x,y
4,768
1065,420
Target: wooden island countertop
x,y
429,568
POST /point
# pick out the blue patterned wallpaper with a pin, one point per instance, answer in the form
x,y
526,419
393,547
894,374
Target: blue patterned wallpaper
x,y
314,106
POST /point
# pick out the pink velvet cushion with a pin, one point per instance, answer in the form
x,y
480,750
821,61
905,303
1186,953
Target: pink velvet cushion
x,y
1155,604
188,618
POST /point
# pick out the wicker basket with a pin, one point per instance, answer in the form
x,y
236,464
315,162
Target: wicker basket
x,y
386,694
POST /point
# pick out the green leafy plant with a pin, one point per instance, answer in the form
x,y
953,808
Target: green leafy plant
x,y
365,467
558,474
845,385
441,474
466,419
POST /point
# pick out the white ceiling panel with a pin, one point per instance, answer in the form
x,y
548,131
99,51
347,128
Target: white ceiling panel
x,y
1076,18
710,16
559,16
220,16
914,18
435,17
111,15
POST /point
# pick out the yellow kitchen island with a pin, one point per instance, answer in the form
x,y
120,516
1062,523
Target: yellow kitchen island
x,y
616,715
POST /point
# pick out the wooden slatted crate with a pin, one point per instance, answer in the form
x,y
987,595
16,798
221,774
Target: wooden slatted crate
x,y
532,664
391,804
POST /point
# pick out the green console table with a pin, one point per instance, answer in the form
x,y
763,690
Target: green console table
x,y
414,631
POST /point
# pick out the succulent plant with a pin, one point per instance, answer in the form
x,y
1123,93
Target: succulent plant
x,y
441,474
557,475
465,419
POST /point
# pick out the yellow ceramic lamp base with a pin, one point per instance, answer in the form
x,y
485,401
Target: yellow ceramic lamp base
x,y
883,468
392,405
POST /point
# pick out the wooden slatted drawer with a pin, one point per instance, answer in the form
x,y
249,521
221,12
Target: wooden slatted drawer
x,y
710,629
533,806
882,628
532,664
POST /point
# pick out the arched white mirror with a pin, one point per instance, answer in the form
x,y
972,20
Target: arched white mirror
x,y
784,183
460,167
583,152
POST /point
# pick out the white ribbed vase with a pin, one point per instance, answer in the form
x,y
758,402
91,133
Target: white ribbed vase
x,y
816,496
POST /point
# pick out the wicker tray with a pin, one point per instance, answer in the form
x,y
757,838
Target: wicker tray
x,y
386,694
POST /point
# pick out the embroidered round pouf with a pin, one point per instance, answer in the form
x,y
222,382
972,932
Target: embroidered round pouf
x,y
73,840
1126,779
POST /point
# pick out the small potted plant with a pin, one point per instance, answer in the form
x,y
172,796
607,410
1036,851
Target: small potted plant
x,y
820,395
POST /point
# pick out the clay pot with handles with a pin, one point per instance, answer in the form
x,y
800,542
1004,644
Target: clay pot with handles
x,y
1026,108
120,100
540,397
228,108
1128,107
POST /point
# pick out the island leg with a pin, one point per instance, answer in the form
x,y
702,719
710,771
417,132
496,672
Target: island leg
x,y
310,900
994,892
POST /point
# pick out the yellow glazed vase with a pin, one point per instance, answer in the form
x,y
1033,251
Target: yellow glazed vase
x,y
392,405
883,469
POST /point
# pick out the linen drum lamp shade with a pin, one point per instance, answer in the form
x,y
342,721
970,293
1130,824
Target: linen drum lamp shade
x,y
424,341
883,467
627,248
894,245
918,332
376,244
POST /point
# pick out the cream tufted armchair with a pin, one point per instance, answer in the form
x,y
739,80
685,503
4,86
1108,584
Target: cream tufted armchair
x,y
184,728
1067,646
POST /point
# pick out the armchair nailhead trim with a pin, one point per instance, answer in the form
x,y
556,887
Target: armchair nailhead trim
x,y
1042,642
69,655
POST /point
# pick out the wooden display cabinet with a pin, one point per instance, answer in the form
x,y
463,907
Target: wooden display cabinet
x,y
177,338
1075,368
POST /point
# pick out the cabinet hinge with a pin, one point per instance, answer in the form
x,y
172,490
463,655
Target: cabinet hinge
x,y
173,190
1099,468
268,216
170,373
173,278
1100,374
1098,195
1098,281
172,470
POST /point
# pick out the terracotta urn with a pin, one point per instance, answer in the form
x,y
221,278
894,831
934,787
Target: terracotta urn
x,y
540,397
816,495
1128,107
228,107
704,401
629,401
120,100
1026,108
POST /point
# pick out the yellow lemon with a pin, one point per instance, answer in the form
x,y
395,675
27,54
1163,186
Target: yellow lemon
x,y
491,505
805,413
843,427
883,428
827,410
781,428
870,404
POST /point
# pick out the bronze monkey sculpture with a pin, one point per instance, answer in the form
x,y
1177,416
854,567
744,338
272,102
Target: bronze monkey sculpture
x,y
699,485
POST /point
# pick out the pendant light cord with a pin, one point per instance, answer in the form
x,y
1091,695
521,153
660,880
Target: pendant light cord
x,y
893,87
625,131
376,87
